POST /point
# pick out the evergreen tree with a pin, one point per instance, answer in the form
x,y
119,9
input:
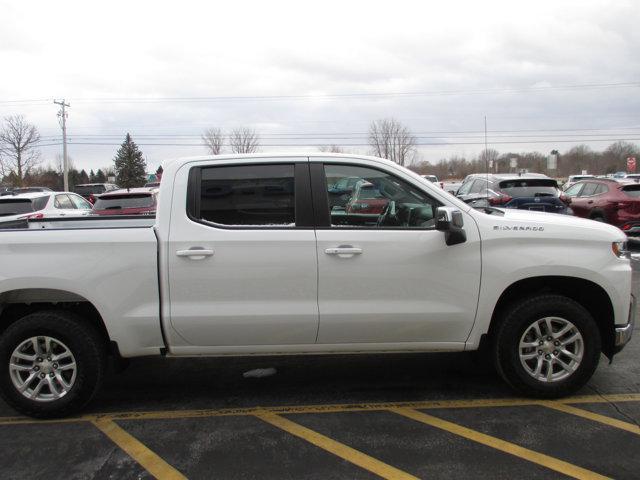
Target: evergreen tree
x,y
92,176
159,173
83,177
130,166
100,176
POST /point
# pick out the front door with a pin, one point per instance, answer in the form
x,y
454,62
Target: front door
x,y
242,256
385,274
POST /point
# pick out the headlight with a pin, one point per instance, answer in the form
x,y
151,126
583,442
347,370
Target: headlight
x,y
620,249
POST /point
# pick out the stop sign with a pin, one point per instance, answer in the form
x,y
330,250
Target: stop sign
x,y
631,164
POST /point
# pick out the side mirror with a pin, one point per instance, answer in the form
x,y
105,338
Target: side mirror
x,y
450,221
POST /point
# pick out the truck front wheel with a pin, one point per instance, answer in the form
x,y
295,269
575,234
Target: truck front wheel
x,y
53,364
547,346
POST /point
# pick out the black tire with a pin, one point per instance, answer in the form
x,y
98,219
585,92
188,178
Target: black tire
x,y
598,218
518,318
84,342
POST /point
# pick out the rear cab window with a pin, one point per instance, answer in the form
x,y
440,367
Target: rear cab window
x,y
249,196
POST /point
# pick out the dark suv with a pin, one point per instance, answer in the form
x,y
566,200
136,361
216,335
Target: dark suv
x,y
91,190
608,200
526,191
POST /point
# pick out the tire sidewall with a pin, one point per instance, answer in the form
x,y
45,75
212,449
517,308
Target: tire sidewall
x,y
80,341
520,319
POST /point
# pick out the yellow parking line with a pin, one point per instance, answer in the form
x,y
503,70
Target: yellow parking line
x,y
339,449
612,422
502,445
330,408
155,465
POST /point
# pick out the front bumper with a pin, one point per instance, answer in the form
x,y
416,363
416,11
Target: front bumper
x,y
623,333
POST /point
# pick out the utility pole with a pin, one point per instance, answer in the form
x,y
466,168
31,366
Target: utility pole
x,y
62,116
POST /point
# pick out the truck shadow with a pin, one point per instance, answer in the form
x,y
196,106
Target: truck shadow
x,y
159,383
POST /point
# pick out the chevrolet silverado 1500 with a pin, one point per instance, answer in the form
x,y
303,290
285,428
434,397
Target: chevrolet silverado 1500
x,y
253,255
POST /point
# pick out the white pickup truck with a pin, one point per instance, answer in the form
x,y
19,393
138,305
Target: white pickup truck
x,y
283,254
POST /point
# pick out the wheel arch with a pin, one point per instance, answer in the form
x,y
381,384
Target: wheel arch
x,y
15,304
585,292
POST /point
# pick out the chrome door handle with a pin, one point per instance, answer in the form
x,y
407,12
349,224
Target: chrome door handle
x,y
195,253
343,251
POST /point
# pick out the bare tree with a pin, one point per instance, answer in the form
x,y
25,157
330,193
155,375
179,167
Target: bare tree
x,y
213,140
18,148
244,140
331,149
392,140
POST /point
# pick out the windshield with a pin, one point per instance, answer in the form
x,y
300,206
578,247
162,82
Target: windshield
x,y
529,187
117,202
632,190
15,207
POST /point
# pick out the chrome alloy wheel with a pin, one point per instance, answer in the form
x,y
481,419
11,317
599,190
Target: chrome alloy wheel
x,y
42,369
551,349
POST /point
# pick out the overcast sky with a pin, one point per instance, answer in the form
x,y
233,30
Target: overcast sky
x,y
138,67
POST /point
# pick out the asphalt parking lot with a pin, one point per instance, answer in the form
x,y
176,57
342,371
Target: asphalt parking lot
x,y
343,417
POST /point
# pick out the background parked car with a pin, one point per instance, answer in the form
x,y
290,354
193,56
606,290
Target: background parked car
x,y
607,200
91,190
575,178
527,191
18,190
42,205
367,199
132,201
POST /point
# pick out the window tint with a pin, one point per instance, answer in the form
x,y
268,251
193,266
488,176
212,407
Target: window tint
x,y
574,190
248,195
378,200
589,189
63,202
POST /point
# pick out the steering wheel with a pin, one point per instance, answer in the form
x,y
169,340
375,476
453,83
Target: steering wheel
x,y
388,213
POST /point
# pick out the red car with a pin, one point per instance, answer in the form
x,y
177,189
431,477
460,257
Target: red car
x,y
608,200
132,201
366,199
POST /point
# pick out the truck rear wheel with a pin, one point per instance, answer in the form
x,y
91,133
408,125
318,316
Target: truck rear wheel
x,y
547,346
53,364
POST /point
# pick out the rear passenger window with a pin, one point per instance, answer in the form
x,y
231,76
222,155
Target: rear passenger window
x,y
601,188
248,195
589,189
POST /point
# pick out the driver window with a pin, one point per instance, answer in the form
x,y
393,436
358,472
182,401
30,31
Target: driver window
x,y
366,197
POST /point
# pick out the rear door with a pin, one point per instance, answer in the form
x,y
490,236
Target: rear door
x,y
241,255
582,205
386,275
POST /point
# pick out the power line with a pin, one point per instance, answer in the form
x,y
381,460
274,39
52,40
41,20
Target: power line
x,y
520,142
584,86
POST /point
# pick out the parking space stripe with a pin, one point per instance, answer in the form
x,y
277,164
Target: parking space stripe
x,y
331,408
499,444
339,449
596,417
155,465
